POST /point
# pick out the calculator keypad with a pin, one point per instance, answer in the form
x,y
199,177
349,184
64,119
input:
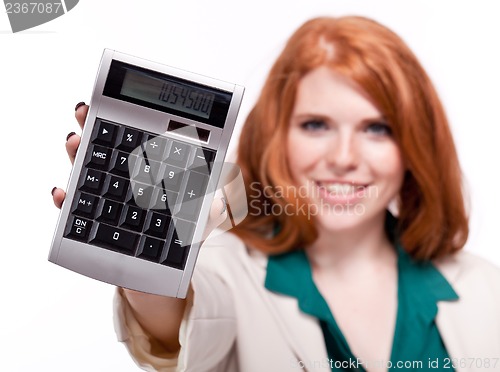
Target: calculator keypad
x,y
140,194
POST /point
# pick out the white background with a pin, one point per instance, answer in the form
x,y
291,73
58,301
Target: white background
x,y
52,319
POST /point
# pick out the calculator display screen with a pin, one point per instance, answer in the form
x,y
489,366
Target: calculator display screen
x,y
179,96
167,93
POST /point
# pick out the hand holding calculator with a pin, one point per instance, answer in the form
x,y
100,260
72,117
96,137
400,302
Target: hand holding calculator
x,y
149,160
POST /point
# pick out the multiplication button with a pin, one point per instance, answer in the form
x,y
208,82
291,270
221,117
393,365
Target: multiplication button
x,y
178,154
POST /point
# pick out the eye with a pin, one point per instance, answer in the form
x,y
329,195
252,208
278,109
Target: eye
x,y
379,128
314,125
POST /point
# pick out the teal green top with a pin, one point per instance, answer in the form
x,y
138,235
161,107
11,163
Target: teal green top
x,y
417,343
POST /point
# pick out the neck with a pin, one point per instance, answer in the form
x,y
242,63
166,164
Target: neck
x,y
358,248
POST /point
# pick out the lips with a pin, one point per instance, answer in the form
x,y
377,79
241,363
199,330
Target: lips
x,y
341,192
341,188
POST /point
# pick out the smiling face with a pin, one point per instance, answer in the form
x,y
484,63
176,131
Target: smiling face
x,y
341,151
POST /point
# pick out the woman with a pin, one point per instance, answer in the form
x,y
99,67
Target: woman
x,y
320,276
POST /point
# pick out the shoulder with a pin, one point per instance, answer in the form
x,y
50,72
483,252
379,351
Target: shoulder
x,y
465,263
465,269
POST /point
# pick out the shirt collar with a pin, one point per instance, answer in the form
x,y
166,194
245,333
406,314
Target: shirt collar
x,y
290,274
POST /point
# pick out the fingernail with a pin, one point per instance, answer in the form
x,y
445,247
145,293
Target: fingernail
x,y
78,105
52,192
224,205
71,134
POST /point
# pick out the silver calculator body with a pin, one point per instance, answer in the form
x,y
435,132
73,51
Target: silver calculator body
x,y
141,188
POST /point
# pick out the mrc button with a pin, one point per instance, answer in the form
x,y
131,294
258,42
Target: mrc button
x,y
99,157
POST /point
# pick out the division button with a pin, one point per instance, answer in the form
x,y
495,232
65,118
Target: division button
x,y
154,147
112,237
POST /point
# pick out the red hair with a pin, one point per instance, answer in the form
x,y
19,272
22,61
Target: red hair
x,y
432,219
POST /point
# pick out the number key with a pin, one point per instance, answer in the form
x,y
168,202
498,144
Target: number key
x,y
122,163
133,218
157,225
116,187
172,177
109,211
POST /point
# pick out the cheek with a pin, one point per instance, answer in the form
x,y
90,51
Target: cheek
x,y
389,164
302,154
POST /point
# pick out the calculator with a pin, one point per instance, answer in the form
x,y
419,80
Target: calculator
x,y
144,176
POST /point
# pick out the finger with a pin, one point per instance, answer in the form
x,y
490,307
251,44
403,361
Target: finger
x,y
72,143
218,214
58,196
81,111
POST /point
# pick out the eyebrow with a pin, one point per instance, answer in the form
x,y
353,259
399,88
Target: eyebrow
x,y
305,116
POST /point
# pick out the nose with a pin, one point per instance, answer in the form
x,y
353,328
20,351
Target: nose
x,y
342,154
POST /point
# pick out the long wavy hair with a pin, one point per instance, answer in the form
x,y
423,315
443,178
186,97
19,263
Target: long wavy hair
x,y
432,219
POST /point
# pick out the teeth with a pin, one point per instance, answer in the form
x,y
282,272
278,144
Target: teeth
x,y
341,188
